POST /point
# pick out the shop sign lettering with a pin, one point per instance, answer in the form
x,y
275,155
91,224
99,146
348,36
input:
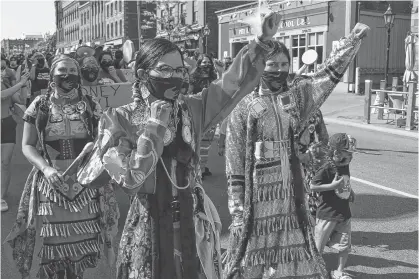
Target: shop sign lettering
x,y
243,31
295,22
285,24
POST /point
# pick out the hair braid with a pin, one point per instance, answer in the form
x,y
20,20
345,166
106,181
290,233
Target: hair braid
x,y
41,121
136,93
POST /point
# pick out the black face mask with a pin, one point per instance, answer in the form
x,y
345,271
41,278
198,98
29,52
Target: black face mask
x,y
275,80
90,73
106,64
41,63
227,65
158,87
66,82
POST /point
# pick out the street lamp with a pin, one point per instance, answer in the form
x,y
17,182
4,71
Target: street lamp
x,y
206,34
389,22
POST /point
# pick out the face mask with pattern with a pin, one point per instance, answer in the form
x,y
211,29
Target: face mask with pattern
x,y
275,80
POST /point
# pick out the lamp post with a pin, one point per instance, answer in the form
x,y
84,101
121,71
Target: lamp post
x,y
389,22
206,34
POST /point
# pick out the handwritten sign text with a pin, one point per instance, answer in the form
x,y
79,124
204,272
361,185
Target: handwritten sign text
x,y
110,95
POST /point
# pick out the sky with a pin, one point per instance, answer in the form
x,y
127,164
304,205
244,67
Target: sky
x,y
32,17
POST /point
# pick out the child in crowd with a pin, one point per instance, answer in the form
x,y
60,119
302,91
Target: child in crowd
x,y
333,217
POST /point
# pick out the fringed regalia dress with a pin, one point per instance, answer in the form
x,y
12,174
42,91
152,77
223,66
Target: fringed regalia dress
x,y
169,232
73,221
271,235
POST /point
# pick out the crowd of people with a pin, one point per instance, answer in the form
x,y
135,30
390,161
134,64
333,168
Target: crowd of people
x,y
279,157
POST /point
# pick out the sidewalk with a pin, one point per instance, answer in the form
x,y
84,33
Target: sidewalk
x,y
347,109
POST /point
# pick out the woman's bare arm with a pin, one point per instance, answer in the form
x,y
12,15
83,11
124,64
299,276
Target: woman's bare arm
x,y
29,141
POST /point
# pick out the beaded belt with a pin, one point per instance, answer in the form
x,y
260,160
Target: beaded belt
x,y
271,149
68,148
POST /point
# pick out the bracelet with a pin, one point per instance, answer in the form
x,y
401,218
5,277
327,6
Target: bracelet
x,y
263,45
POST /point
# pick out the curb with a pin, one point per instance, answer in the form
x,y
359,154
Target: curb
x,y
413,134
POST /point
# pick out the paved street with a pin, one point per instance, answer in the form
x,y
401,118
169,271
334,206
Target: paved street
x,y
384,225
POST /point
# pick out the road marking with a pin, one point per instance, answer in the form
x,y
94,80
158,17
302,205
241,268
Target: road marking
x,y
384,187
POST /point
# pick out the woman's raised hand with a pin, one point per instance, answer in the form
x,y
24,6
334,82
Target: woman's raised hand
x,y
161,110
270,24
24,78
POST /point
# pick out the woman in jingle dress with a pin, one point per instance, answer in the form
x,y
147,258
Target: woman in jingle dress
x,y
151,148
270,236
201,78
73,221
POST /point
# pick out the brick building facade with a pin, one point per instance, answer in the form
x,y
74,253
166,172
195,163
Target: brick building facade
x,y
318,25
198,15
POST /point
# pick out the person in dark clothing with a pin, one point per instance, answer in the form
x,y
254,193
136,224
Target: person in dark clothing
x,y
108,73
333,217
39,74
200,79
119,62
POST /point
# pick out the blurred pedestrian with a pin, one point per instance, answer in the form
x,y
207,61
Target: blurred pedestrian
x,y
107,72
10,95
14,63
39,75
119,62
90,71
8,75
204,74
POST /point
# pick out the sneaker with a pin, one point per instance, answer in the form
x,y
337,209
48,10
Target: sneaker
x,y
4,206
339,275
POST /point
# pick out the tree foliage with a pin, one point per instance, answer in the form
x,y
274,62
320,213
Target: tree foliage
x,y
48,44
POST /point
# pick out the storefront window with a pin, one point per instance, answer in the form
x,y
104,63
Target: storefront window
x,y
182,13
298,48
316,42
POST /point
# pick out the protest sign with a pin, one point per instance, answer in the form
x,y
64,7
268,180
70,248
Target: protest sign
x,y
110,95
